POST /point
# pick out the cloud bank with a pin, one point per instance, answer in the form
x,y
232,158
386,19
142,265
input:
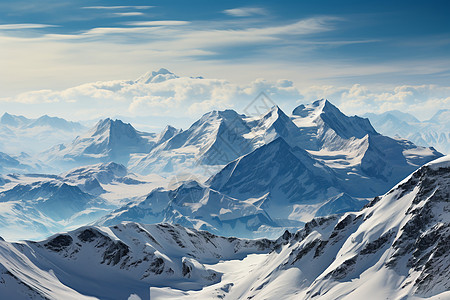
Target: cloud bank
x,y
163,93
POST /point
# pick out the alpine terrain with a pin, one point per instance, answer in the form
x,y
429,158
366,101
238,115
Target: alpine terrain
x,y
394,248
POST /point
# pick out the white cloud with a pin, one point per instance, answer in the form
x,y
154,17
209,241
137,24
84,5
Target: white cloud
x,y
245,11
179,97
129,14
420,100
172,97
158,23
24,26
117,7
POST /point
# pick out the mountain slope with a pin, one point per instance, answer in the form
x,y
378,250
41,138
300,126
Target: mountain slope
x,y
293,184
200,207
395,248
117,262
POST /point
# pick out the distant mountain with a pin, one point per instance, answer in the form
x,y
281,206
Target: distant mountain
x,y
37,205
22,163
395,248
20,134
434,132
39,208
57,123
108,141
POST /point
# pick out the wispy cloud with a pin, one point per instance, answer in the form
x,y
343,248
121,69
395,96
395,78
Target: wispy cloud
x,y
117,7
129,14
158,23
245,11
24,26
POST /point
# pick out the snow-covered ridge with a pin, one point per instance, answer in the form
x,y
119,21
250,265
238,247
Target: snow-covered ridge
x,y
266,173
394,248
36,205
116,262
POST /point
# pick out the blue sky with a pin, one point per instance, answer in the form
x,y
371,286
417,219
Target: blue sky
x,y
379,45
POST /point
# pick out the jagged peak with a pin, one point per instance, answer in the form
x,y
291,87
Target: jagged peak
x,y
14,120
6,115
274,114
108,125
228,114
167,133
323,113
317,107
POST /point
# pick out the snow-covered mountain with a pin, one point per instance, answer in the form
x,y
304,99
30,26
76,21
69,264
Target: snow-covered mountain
x,y
348,145
155,76
434,132
22,163
116,262
109,140
289,183
367,162
36,205
198,206
274,188
215,139
316,163
20,134
39,208
394,248
268,172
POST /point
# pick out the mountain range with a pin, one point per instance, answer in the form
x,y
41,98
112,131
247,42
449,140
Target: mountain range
x,y
394,248
317,162
308,205
249,176
20,134
37,205
434,132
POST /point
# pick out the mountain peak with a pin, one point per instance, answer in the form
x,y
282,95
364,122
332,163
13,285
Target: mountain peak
x,y
13,120
317,107
156,76
324,112
222,115
167,133
113,129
